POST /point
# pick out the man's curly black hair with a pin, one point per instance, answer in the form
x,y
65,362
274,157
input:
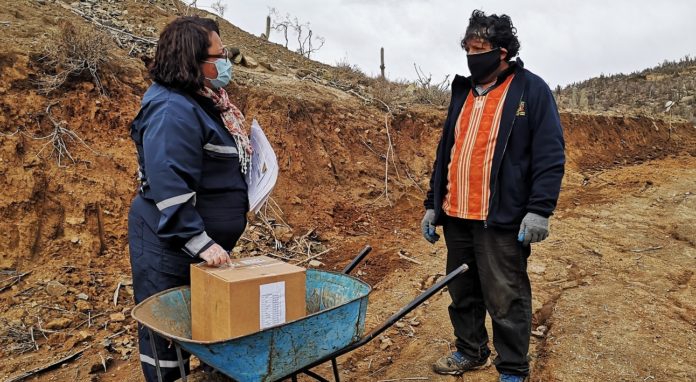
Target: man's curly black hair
x,y
498,30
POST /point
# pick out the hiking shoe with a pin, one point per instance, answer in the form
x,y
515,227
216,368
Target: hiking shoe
x,y
456,364
510,378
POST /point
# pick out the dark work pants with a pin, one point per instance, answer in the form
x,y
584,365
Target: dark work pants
x,y
149,277
496,282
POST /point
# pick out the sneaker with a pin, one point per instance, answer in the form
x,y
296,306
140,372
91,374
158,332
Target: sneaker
x,y
457,364
511,378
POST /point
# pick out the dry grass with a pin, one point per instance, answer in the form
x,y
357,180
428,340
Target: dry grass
x,y
17,338
74,51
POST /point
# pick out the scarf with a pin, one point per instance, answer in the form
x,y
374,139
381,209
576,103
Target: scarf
x,y
234,123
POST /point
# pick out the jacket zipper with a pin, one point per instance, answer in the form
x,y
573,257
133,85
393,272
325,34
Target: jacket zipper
x,y
507,139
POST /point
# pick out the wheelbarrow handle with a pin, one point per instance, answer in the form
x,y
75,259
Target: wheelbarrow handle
x,y
393,319
349,268
412,305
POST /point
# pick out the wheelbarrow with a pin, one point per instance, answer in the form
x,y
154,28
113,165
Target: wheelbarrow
x,y
334,325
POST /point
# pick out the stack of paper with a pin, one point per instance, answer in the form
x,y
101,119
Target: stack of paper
x,y
263,174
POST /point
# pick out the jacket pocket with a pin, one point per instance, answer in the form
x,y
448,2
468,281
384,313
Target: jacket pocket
x,y
221,151
221,170
176,263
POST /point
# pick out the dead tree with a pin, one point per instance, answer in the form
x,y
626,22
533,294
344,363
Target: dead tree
x,y
307,41
219,7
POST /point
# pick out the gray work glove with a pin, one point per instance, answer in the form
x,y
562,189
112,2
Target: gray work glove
x,y
428,227
534,228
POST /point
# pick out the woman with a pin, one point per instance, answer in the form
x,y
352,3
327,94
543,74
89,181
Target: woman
x,y
193,153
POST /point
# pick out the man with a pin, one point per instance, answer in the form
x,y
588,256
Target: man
x,y
495,182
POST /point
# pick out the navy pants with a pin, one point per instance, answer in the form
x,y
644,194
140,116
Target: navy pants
x,y
156,268
496,282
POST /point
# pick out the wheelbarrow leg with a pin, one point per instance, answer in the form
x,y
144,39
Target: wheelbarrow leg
x,y
154,354
180,360
316,376
334,366
294,378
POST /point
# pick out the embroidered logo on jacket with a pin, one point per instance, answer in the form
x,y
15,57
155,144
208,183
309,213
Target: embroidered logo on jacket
x,y
520,110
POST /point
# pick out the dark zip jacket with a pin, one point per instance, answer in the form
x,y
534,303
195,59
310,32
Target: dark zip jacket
x,y
192,192
529,159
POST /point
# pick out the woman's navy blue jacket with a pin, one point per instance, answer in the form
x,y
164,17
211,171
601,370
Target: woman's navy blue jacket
x,y
529,159
192,192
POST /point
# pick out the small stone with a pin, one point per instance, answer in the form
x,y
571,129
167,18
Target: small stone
x,y
414,322
400,325
536,268
83,306
75,239
337,130
82,296
117,317
267,65
283,233
75,220
99,364
84,335
542,328
58,323
56,289
569,284
537,333
315,263
386,342
249,62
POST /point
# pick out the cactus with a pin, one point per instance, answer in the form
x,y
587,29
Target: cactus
x,y
381,56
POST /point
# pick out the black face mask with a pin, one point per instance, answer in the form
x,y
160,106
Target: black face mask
x,y
482,65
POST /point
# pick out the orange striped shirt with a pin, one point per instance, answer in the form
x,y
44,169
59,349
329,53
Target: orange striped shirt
x,y
469,171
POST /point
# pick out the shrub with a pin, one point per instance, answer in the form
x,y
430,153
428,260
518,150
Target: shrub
x,y
73,52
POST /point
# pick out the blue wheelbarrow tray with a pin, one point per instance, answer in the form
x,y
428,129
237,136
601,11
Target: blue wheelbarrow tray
x,y
336,307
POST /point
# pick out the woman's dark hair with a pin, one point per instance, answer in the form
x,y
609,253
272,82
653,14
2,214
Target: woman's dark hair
x,y
182,45
498,30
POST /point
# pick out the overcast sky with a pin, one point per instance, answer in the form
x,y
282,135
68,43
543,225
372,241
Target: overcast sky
x,y
562,40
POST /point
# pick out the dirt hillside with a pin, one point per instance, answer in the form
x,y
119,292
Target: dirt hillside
x,y
613,286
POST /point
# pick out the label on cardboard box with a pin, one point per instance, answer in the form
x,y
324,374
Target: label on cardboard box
x,y
272,304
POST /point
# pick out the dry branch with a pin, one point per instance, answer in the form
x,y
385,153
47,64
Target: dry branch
x,y
97,23
48,367
13,280
313,257
19,338
118,288
57,138
414,261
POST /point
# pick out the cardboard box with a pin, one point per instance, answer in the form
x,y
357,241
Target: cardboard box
x,y
244,297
